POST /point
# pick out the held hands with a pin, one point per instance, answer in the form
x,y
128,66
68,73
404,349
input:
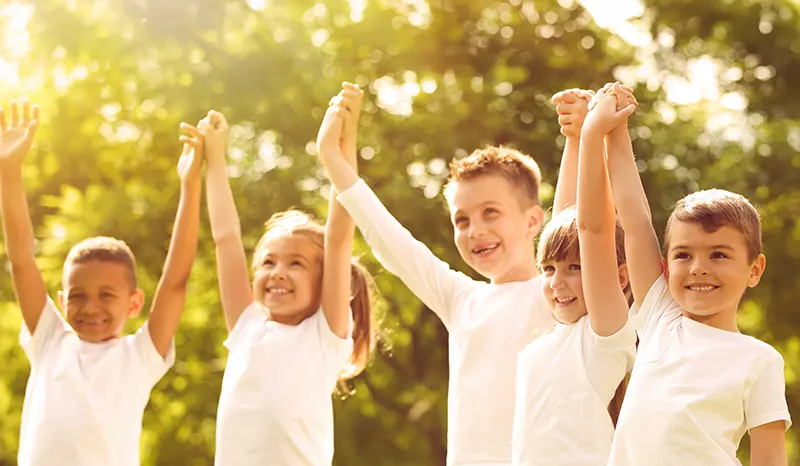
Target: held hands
x,y
339,130
572,106
16,138
190,164
610,108
214,129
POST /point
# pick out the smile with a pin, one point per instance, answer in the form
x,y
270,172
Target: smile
x,y
702,288
484,250
565,300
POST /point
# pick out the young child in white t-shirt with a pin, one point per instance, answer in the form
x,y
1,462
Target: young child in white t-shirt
x,y
697,384
89,385
568,376
303,324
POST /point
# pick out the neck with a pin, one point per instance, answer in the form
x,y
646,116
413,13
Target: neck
x,y
521,273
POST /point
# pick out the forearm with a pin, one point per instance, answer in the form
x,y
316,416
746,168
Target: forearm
x,y
222,212
566,186
17,227
629,194
336,285
340,171
183,244
595,209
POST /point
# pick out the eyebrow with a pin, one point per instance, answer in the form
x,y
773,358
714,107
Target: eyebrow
x,y
480,204
716,246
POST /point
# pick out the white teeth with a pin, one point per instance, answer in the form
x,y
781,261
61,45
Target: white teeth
x,y
484,249
278,290
565,300
701,288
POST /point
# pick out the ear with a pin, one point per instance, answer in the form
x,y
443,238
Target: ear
x,y
61,299
757,270
665,268
136,303
622,273
535,220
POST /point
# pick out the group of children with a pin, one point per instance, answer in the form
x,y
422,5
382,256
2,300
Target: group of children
x,y
540,355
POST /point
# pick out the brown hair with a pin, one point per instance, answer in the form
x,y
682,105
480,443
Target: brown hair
x,y
363,290
559,242
104,249
717,208
517,168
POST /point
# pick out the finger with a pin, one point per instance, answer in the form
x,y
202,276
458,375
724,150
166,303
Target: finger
x,y
2,120
566,108
627,111
566,130
354,95
14,113
36,114
557,97
565,120
26,113
350,86
191,130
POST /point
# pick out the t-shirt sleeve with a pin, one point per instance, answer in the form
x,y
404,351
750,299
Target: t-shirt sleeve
x,y
48,329
153,364
657,302
429,278
332,342
250,315
608,358
766,400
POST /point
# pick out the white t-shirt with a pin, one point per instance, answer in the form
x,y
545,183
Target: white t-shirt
x,y
694,390
488,324
275,406
84,401
566,379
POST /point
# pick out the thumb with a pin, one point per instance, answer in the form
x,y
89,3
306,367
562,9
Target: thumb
x,y
627,111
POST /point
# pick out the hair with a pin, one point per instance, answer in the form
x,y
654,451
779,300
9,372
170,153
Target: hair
x,y
559,242
520,170
363,291
103,249
716,208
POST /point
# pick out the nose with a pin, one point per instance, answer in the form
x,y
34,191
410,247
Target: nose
x,y
278,272
476,229
556,280
697,267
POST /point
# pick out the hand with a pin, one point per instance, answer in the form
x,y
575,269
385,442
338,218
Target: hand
x,y
214,129
624,95
349,102
16,139
605,116
190,164
572,105
329,138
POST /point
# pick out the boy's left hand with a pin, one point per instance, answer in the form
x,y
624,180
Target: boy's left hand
x,y
605,116
190,164
572,106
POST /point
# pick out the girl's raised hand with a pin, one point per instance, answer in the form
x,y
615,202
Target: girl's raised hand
x,y
190,164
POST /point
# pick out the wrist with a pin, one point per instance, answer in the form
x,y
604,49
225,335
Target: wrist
x,y
10,170
618,136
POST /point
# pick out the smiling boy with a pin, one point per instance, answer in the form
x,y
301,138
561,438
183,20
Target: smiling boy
x,y
493,196
89,385
697,384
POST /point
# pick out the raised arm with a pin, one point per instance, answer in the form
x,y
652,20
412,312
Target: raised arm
x,y
16,138
170,296
232,273
337,138
641,242
605,302
572,105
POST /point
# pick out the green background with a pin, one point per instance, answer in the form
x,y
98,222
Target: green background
x,y
114,79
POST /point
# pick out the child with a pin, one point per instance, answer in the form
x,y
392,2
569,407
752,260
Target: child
x,y
293,334
89,385
697,383
494,206
567,377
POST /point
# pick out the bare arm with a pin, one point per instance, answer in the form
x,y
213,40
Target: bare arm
x,y
337,138
605,301
15,142
572,105
768,445
234,279
641,243
170,296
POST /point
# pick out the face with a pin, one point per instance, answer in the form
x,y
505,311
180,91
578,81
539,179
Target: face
x,y
709,272
493,232
288,281
563,289
98,299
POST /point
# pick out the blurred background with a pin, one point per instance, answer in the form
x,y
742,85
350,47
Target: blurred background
x,y
114,79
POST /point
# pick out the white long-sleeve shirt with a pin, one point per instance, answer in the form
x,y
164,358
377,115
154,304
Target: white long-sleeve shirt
x,y
488,324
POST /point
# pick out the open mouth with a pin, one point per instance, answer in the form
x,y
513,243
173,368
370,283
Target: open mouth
x,y
278,291
565,301
701,288
92,323
485,250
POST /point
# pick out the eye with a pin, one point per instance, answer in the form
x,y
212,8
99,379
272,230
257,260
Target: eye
x,y
548,268
268,263
680,255
106,294
491,212
576,267
718,255
461,222
297,263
